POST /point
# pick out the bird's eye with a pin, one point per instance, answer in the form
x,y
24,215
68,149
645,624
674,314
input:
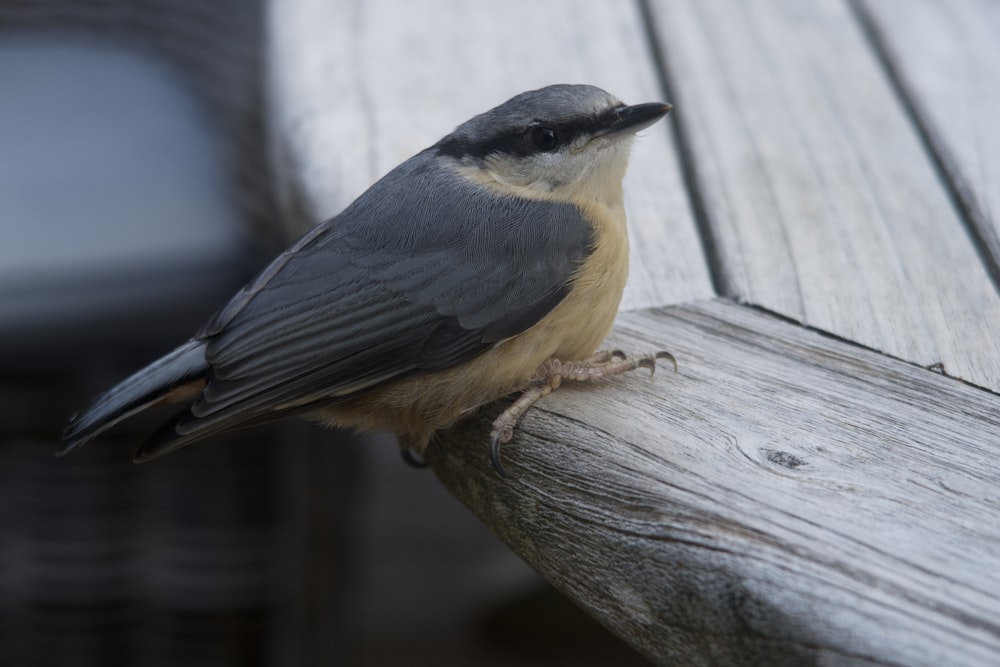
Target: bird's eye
x,y
544,138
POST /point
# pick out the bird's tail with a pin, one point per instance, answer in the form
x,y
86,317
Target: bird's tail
x,y
178,376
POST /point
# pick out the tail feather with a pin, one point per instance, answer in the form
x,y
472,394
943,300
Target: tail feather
x,y
185,428
184,368
172,435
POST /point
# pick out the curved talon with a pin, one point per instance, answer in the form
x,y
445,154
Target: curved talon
x,y
647,362
617,354
412,459
495,455
663,354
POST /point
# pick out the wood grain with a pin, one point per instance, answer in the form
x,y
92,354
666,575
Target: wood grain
x,y
821,199
946,58
358,87
785,498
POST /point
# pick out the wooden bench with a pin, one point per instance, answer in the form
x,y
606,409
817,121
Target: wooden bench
x,y
815,238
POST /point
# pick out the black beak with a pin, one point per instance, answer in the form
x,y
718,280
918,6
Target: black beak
x,y
633,118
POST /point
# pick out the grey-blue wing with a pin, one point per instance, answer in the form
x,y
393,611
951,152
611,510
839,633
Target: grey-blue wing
x,y
419,274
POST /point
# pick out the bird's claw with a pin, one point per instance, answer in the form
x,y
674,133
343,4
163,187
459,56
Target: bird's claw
x,y
649,361
495,442
412,459
663,354
550,375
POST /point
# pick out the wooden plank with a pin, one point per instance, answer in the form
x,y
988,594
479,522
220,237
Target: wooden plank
x,y
785,498
359,87
946,57
821,199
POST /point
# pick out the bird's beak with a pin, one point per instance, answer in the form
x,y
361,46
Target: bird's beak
x,y
631,119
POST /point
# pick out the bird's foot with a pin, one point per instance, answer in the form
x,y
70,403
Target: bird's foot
x,y
551,374
411,458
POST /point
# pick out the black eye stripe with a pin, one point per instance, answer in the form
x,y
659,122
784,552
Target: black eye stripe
x,y
521,142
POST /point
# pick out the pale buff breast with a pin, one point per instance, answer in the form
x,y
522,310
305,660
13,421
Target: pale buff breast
x,y
416,407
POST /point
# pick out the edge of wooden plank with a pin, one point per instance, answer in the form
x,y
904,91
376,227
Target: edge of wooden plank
x,y
783,497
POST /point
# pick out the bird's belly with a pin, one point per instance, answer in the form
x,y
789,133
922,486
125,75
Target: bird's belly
x,y
415,407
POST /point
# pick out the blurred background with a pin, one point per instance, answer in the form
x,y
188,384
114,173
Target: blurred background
x,y
135,197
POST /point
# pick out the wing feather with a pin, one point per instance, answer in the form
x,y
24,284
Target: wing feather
x,y
422,272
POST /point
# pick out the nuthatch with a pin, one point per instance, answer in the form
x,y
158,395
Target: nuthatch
x,y
490,263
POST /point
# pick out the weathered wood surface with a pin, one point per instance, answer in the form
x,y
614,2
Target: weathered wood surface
x,y
785,497
946,58
358,87
821,199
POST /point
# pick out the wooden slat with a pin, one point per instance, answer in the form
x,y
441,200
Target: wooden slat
x,y
785,498
359,87
821,198
946,57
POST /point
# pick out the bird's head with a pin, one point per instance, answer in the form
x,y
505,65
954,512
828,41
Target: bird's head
x,y
563,142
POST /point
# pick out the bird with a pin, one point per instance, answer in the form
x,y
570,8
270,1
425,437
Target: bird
x,y
490,263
